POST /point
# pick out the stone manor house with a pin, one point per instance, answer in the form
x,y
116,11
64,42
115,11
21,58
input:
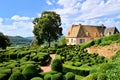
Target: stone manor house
x,y
83,33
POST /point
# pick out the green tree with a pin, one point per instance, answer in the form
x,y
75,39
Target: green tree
x,y
47,27
63,41
4,41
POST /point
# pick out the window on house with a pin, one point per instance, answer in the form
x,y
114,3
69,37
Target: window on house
x,y
110,33
71,40
82,40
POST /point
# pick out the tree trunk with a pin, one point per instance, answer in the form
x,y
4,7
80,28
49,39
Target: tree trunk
x,y
49,40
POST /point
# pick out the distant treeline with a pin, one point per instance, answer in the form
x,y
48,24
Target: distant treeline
x,y
20,41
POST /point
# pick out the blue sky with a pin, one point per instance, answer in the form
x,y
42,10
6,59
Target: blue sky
x,y
16,16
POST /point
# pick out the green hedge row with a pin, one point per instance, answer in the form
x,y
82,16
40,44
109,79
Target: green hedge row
x,y
75,70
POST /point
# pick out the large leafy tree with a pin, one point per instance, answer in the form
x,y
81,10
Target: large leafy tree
x,y
47,27
4,41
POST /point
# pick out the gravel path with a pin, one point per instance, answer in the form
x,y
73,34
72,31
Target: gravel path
x,y
48,67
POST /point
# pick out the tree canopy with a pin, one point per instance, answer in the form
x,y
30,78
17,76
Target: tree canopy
x,y
4,41
47,27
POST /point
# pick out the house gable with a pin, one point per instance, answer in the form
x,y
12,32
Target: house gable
x,y
109,31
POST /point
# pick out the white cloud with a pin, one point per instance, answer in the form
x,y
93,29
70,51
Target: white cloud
x,y
99,9
48,2
1,20
24,28
19,18
90,12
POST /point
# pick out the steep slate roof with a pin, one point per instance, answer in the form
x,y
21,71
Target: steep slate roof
x,y
84,31
112,30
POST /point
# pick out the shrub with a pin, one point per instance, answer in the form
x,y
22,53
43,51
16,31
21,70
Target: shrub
x,y
30,71
91,77
56,65
108,42
47,77
77,64
50,72
17,76
16,69
57,76
4,77
75,70
97,41
87,44
13,56
102,76
37,78
70,76
116,56
12,65
6,71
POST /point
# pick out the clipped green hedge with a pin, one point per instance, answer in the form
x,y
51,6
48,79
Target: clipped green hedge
x,y
57,76
91,77
70,76
30,71
102,76
36,78
47,77
17,76
75,70
50,72
4,76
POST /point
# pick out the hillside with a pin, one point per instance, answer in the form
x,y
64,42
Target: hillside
x,y
105,46
107,51
18,40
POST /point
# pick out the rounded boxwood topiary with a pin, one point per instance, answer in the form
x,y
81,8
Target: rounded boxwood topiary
x,y
56,65
36,78
70,76
47,77
17,76
30,71
57,76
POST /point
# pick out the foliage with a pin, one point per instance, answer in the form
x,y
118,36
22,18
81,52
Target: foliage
x,y
76,56
102,76
117,56
75,70
30,71
4,76
63,41
37,78
47,77
91,77
107,40
109,71
56,65
17,76
57,76
70,76
47,27
43,74
4,41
